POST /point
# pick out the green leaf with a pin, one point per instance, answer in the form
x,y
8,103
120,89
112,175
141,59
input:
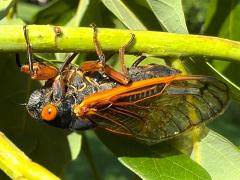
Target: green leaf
x,y
217,155
5,5
160,161
52,13
170,15
79,15
223,19
27,11
74,140
124,14
230,121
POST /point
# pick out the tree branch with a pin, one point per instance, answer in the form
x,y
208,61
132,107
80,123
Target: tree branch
x,y
46,38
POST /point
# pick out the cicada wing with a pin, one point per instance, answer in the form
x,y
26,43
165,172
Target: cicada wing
x,y
117,120
159,112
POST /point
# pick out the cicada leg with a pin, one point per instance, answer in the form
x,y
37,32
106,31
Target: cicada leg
x,y
121,55
59,81
37,71
29,50
100,65
41,71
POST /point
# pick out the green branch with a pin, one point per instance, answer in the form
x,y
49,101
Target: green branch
x,y
71,39
17,165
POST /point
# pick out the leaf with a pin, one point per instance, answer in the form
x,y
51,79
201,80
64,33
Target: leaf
x,y
223,19
160,161
219,151
5,5
124,14
79,15
52,13
230,121
170,15
74,140
218,156
27,11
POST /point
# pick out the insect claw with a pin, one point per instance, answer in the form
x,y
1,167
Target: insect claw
x,y
93,25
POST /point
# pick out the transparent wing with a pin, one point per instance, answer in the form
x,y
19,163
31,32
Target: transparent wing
x,y
160,112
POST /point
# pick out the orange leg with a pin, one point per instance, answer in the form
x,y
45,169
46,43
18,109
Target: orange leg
x,y
100,65
37,71
121,55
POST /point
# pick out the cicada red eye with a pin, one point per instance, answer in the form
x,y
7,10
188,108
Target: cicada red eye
x,y
49,112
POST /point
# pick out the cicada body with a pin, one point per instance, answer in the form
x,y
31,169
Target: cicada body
x,y
158,104
149,103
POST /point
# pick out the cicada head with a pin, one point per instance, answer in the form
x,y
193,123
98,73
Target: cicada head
x,y
41,106
37,101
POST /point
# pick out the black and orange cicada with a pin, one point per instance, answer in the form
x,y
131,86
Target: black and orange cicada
x,y
149,103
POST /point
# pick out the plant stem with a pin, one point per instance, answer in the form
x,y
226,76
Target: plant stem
x,y
74,39
17,165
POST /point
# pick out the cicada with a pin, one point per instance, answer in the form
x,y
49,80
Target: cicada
x,y
150,103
